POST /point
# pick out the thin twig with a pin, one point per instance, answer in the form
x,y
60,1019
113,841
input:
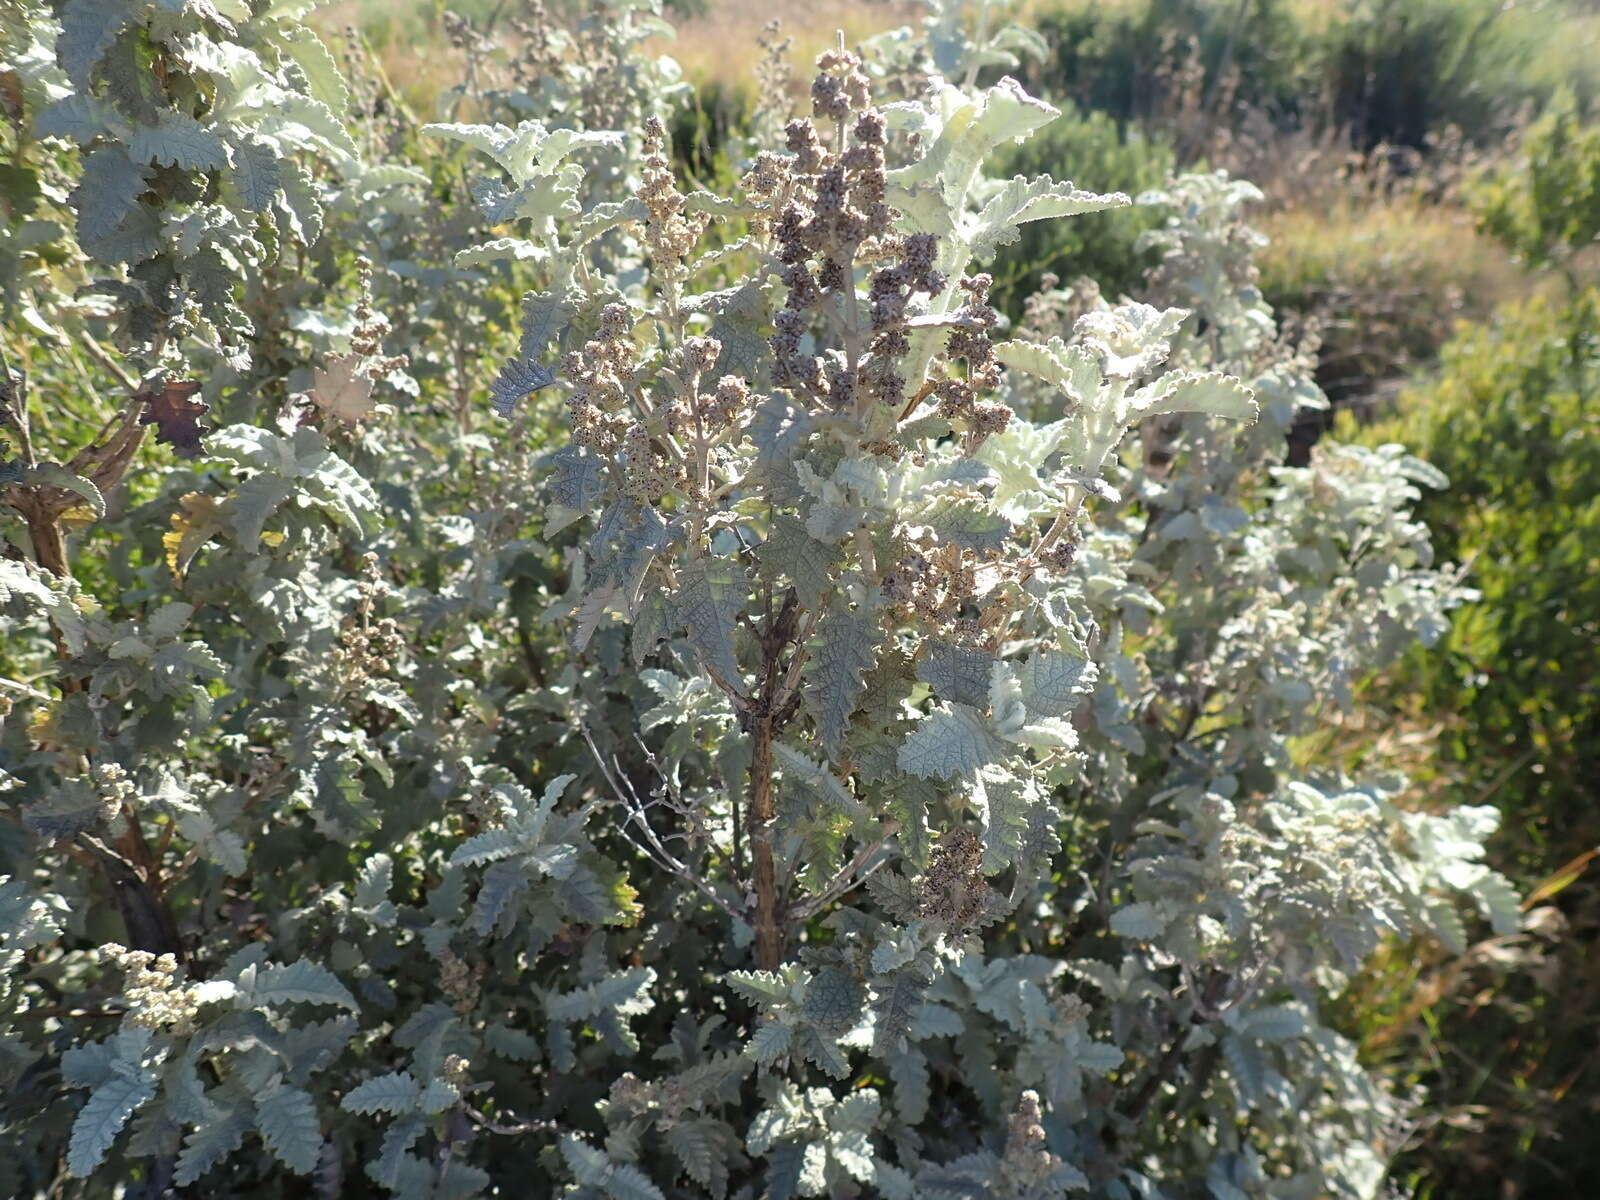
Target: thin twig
x,y
855,873
483,1122
102,356
655,851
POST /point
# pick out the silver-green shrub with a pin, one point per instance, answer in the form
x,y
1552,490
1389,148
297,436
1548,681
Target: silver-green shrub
x,y
821,743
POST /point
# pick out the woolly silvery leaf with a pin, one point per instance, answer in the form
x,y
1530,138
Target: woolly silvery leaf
x,y
769,1043
79,117
107,195
517,379
108,1108
1185,391
791,553
210,1142
968,523
395,1092
300,982
1053,683
821,782
959,674
709,599
88,29
1022,200
576,487
623,992
178,140
287,1118
950,741
842,651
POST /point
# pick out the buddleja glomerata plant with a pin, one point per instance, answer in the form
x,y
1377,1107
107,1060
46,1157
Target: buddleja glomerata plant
x,y
871,748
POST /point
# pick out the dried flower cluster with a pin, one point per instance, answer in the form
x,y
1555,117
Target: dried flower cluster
x,y
1028,1163
114,789
541,51
371,328
368,648
953,890
601,377
670,233
460,980
835,218
949,589
774,78
961,399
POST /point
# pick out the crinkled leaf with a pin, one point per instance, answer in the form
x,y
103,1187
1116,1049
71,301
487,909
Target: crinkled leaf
x,y
289,1126
842,651
951,741
108,1108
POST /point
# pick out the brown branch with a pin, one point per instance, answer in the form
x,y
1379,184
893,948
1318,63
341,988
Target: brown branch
x,y
763,809
145,915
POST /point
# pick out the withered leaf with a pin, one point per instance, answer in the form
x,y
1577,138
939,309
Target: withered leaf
x,y
176,416
200,519
342,390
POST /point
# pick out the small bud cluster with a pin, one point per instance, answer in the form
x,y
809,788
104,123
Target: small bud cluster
x,y
728,404
953,890
541,50
114,788
488,806
460,980
697,416
933,583
367,648
1070,1009
670,235
382,121
960,400
1063,552
632,1095
461,35
645,467
456,1070
1028,1163
371,328
155,995
774,78
605,68
603,375
767,184
836,215
1053,311
667,1101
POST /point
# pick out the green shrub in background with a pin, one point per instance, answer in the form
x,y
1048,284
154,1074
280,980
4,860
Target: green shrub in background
x,y
1392,71
1397,70
1512,703
1124,59
1103,245
1513,418
1545,205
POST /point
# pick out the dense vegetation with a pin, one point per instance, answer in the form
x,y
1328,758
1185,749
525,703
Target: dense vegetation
x,y
663,637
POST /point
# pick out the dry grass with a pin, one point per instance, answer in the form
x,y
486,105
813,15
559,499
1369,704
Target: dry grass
x,y
720,47
1386,279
